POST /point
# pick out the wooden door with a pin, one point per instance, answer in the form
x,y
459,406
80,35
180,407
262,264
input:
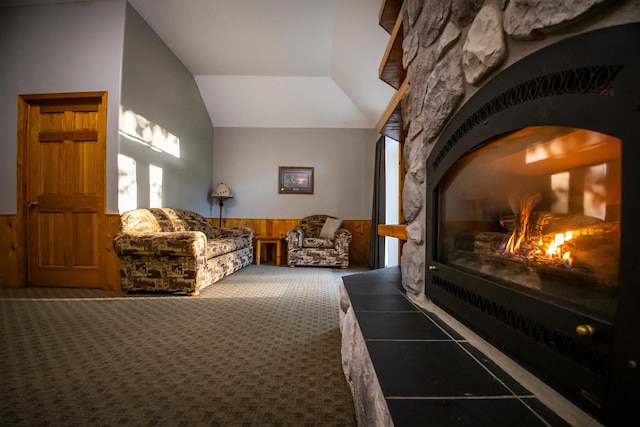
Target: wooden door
x,y
64,143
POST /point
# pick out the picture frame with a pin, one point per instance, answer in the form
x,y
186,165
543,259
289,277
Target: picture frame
x,y
295,180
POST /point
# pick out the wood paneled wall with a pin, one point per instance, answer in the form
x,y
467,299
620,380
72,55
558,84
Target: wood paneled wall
x,y
12,247
12,264
360,230
10,250
113,266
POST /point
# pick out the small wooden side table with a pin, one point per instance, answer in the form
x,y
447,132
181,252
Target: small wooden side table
x,y
268,239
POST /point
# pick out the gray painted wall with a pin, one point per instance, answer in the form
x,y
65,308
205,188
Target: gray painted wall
x,y
81,46
67,47
157,86
247,160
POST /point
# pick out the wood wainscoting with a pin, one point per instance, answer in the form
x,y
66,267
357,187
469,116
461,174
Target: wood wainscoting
x,y
13,267
13,264
10,246
360,230
113,266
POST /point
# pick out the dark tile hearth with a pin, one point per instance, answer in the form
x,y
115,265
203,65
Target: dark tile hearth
x,y
471,412
393,326
428,373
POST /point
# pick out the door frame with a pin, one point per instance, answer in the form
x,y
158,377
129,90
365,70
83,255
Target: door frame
x,y
24,105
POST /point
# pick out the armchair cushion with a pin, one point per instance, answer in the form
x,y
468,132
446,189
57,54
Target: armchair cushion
x,y
312,225
330,227
317,242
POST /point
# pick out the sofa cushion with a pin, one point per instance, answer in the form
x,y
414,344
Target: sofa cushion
x,y
184,220
168,243
221,246
145,221
153,220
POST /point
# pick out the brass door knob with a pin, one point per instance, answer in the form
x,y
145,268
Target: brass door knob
x,y
585,330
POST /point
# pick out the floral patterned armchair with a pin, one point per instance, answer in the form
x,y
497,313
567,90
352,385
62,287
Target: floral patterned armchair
x,y
318,240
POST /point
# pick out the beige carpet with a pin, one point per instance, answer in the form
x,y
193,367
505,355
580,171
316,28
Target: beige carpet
x,y
260,347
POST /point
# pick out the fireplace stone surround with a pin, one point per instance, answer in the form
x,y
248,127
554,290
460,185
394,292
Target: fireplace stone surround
x,y
452,49
449,70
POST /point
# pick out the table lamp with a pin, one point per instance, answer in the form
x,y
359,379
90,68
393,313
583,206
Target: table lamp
x,y
222,193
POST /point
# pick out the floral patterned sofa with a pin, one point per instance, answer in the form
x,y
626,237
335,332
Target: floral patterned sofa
x,y
175,250
318,240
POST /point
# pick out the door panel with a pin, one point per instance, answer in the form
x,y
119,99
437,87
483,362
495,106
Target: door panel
x,y
85,239
50,229
65,190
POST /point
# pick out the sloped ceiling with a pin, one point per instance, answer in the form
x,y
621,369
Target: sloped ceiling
x,y
279,63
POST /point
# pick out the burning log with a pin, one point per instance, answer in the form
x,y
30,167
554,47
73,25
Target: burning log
x,y
595,266
488,242
539,220
562,223
591,261
551,234
521,208
543,222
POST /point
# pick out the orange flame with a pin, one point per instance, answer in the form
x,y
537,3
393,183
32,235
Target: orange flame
x,y
557,248
550,248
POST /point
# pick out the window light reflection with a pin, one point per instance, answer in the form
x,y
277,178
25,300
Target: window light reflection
x,y
137,128
155,186
127,184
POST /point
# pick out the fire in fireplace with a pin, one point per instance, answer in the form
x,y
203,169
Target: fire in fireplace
x,y
539,208
532,228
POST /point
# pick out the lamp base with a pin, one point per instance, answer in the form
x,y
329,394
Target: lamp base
x,y
220,202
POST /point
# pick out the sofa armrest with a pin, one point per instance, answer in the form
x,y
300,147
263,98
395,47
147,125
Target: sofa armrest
x,y
178,243
294,238
243,232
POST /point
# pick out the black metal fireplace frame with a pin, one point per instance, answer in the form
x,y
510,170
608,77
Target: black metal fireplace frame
x,y
589,81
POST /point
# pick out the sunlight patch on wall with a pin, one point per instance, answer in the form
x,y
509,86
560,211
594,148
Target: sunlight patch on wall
x,y
155,186
137,128
127,184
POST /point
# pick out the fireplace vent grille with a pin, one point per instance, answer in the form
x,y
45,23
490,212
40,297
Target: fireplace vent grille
x,y
585,356
584,80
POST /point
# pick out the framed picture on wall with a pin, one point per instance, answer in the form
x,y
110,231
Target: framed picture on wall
x,y
295,180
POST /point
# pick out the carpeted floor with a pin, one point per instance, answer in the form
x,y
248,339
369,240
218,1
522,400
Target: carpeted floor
x,y
260,347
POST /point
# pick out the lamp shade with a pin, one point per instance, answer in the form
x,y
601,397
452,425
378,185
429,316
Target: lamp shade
x,y
221,192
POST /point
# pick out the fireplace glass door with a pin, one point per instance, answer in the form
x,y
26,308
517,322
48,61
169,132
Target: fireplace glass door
x,y
538,210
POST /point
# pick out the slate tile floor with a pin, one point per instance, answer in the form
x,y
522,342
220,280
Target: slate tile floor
x,y
428,373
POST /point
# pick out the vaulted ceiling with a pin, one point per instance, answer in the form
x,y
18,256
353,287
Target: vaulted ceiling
x,y
279,63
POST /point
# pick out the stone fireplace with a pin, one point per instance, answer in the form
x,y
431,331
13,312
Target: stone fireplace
x,y
522,123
